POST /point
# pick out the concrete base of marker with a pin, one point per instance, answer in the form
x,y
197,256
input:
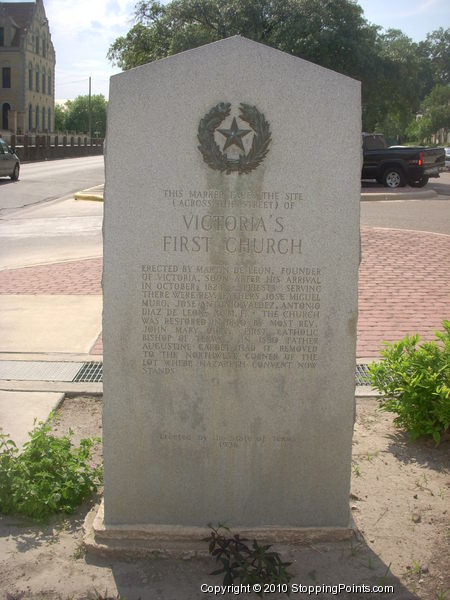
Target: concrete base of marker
x,y
173,541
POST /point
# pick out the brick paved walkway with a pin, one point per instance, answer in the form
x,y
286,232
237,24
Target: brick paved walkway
x,y
404,285
75,277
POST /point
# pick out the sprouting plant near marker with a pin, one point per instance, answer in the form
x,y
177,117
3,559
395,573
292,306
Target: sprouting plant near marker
x,y
356,470
244,564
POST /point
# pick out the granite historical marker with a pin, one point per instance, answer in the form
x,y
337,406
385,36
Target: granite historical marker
x,y
231,253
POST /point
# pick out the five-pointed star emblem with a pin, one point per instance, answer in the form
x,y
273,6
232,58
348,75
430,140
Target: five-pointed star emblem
x,y
234,135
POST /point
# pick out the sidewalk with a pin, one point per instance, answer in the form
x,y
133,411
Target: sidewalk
x,y
51,314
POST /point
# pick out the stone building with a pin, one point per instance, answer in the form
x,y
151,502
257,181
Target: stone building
x,y
27,64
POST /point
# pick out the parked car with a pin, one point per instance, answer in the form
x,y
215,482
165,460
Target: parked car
x,y
9,162
447,159
398,165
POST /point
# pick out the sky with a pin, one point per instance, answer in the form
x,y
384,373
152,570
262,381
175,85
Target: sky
x,y
83,30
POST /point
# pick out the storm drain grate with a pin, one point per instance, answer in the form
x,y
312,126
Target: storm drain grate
x,y
91,372
38,370
362,375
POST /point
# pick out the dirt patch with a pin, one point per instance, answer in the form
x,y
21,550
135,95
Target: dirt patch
x,y
400,505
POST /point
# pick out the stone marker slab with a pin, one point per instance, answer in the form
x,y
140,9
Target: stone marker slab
x,y
231,253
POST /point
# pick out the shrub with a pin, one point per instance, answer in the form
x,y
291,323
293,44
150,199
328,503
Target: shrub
x,y
48,476
414,382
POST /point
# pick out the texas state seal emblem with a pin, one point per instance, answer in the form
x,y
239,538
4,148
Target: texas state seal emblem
x,y
215,156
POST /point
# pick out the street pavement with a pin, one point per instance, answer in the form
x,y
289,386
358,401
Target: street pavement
x,y
51,302
50,232
50,180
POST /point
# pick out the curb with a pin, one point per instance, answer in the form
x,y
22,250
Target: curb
x,y
94,197
63,387
94,193
395,196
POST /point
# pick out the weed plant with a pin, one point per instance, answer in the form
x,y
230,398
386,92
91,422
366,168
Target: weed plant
x,y
414,383
243,564
48,476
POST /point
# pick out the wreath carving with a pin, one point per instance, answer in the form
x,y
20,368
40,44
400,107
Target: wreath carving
x,y
218,160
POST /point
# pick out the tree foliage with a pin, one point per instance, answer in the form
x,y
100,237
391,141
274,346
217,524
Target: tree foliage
x,y
435,115
328,33
74,115
396,73
436,49
60,117
398,86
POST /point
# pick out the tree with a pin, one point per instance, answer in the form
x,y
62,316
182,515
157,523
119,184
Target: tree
x,y
400,87
60,117
437,49
435,115
76,113
333,34
437,106
395,72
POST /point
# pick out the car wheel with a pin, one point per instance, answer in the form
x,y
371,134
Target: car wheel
x,y
15,173
393,178
419,182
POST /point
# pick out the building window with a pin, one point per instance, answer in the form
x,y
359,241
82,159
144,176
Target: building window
x,y
44,48
30,77
43,82
2,36
37,79
37,118
5,110
37,43
49,119
43,118
30,117
49,85
6,77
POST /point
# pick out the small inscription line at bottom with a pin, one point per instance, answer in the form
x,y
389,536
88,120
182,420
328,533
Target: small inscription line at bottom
x,y
226,441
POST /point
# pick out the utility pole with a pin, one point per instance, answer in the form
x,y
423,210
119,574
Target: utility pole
x,y
90,120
